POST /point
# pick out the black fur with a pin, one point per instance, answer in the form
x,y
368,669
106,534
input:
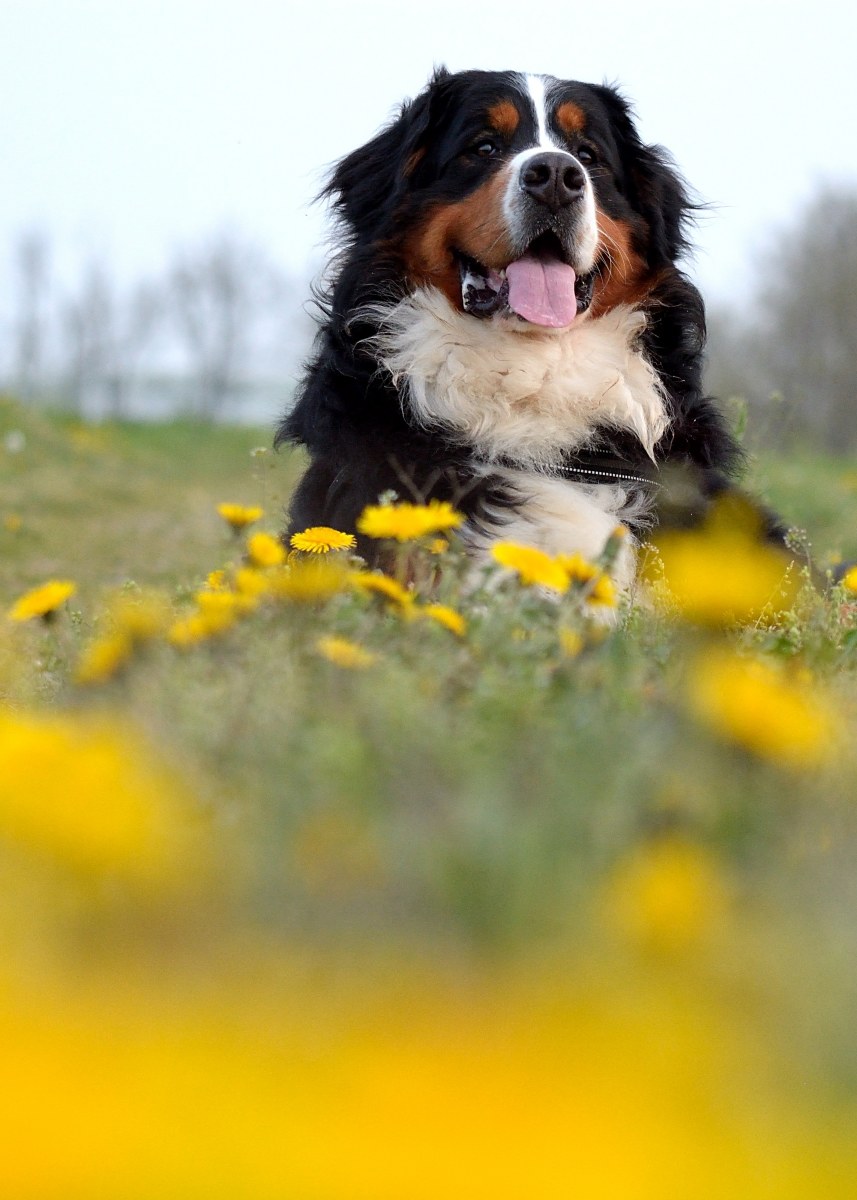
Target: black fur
x,y
351,417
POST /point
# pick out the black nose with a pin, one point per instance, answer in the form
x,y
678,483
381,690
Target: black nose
x,y
556,180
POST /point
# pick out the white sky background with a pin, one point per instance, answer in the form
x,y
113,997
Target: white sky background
x,y
130,126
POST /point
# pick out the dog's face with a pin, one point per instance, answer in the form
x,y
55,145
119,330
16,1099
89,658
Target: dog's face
x,y
527,200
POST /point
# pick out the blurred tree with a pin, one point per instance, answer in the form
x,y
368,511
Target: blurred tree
x,y
219,292
795,358
31,265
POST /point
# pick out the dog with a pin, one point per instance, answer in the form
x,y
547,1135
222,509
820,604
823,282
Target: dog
x,y
507,327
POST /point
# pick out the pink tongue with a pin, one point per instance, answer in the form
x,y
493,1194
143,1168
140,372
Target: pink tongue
x,y
542,291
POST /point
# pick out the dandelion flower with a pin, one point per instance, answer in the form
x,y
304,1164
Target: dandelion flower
x,y
217,580
570,642
42,601
86,797
757,706
264,550
237,516
447,617
599,587
850,579
724,572
251,582
383,586
406,522
667,895
104,658
320,539
532,566
344,653
139,617
308,581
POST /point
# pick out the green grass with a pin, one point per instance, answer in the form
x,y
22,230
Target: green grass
x,y
472,797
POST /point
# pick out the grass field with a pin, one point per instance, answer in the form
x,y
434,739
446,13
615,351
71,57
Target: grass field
x,y
528,908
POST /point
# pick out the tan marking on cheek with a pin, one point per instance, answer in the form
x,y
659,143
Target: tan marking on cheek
x,y
624,279
475,226
504,117
570,118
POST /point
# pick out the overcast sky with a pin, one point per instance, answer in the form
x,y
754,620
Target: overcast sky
x,y
128,126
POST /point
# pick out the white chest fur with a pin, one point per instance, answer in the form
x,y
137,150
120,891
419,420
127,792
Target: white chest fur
x,y
525,398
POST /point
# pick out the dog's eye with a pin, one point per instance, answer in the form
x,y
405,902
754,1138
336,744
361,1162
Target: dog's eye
x,y
486,148
587,155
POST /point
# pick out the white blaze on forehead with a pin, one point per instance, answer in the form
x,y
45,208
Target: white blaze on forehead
x,y
535,87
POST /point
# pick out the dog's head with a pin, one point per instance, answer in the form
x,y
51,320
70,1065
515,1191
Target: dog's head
x,y
525,199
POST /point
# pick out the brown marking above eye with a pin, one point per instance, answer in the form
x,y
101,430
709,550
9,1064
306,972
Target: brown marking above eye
x,y
504,117
570,118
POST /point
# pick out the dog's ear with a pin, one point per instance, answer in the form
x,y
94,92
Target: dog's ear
x,y
367,184
657,190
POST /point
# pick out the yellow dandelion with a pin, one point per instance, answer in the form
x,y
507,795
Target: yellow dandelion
x,y
104,658
406,522
758,707
343,653
382,585
86,797
308,581
225,606
445,616
438,545
190,631
217,581
667,895
584,574
723,572
264,550
570,642
139,617
42,601
251,582
321,539
237,516
532,566
849,579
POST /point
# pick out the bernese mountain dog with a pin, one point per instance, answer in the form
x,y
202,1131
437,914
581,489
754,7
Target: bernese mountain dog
x,y
506,326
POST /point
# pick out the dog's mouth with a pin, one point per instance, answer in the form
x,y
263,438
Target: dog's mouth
x,y
540,287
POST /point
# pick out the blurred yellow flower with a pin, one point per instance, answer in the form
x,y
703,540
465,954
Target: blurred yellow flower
x,y
383,586
438,545
238,516
405,522
104,658
12,522
533,567
756,706
584,574
249,581
666,895
42,601
343,653
571,642
724,572
443,615
85,796
217,580
320,539
141,616
308,581
264,550
850,579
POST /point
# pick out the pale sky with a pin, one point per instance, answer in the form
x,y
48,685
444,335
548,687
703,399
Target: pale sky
x,y
129,126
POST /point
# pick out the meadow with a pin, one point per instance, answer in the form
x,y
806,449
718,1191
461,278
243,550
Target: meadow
x,y
326,888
